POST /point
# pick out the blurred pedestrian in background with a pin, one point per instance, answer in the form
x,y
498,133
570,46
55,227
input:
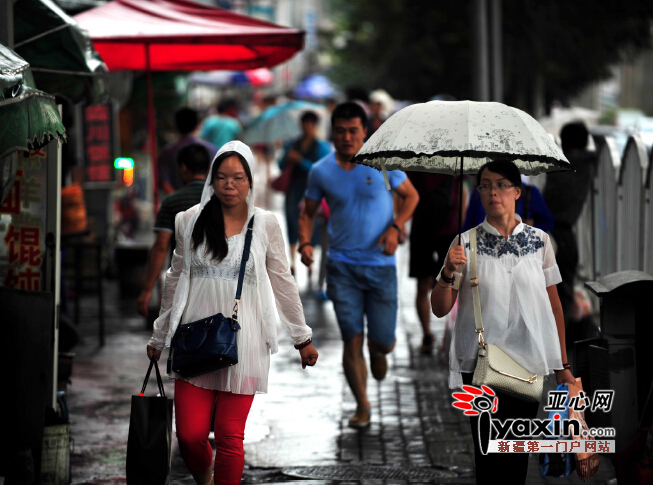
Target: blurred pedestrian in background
x,y
265,151
330,104
531,207
298,156
223,127
201,282
192,164
363,237
435,224
381,106
565,195
186,122
522,315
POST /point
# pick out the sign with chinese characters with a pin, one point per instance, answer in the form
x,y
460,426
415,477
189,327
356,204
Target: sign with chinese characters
x,y
23,225
98,143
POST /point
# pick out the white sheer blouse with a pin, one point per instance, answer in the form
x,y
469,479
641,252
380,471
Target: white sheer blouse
x,y
212,289
513,276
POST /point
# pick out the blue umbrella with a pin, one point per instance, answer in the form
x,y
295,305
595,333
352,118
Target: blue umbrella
x,y
315,86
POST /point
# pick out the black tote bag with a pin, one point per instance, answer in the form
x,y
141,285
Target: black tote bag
x,y
150,434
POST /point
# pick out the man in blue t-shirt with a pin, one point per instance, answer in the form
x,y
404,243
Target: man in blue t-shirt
x,y
363,236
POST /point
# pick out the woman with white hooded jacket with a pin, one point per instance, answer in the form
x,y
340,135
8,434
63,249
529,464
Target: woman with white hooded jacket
x,y
202,281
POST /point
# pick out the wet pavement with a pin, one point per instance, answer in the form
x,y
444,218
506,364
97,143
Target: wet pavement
x,y
296,433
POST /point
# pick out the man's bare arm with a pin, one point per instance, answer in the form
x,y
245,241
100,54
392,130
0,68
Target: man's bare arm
x,y
306,228
410,197
154,267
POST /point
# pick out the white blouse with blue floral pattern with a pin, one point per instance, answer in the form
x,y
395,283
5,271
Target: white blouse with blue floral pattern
x,y
513,277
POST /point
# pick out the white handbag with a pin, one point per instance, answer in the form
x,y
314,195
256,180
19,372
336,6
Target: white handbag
x,y
495,368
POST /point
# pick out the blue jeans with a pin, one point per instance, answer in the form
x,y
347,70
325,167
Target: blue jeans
x,y
294,198
358,290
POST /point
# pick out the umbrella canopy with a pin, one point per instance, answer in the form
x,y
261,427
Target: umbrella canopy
x,y
30,117
59,52
251,77
315,86
436,136
254,77
176,35
280,122
458,137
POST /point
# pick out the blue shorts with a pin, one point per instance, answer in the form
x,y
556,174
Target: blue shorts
x,y
358,290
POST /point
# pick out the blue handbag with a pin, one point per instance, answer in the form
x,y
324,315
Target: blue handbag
x,y
209,344
558,465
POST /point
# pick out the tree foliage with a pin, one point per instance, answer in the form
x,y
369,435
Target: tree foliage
x,y
413,49
420,48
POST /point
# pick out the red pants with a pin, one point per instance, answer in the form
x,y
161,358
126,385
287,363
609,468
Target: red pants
x,y
193,406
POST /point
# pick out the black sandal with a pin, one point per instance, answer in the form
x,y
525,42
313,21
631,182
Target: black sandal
x,y
427,344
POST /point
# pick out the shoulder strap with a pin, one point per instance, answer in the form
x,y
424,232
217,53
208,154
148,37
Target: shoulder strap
x,y
473,282
243,262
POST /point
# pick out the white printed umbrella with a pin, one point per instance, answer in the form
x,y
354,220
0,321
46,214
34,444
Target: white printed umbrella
x,y
458,137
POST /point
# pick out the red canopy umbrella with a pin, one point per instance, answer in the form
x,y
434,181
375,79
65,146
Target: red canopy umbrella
x,y
178,35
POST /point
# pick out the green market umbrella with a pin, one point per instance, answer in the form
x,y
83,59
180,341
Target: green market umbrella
x,y
29,118
61,55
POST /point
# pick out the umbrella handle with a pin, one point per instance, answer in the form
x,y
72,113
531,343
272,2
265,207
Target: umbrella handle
x,y
460,203
385,175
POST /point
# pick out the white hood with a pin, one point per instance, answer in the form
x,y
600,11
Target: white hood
x,y
208,192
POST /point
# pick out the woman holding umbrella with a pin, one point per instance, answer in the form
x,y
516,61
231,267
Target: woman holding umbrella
x,y
522,314
517,270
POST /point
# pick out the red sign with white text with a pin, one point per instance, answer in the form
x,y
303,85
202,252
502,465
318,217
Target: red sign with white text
x,y
98,143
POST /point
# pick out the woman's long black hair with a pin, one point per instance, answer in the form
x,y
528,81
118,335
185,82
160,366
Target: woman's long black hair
x,y
210,223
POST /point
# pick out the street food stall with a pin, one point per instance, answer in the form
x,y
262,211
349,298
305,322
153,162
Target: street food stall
x,y
30,163
48,48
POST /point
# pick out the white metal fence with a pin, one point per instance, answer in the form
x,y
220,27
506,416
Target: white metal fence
x,y
618,212
648,218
